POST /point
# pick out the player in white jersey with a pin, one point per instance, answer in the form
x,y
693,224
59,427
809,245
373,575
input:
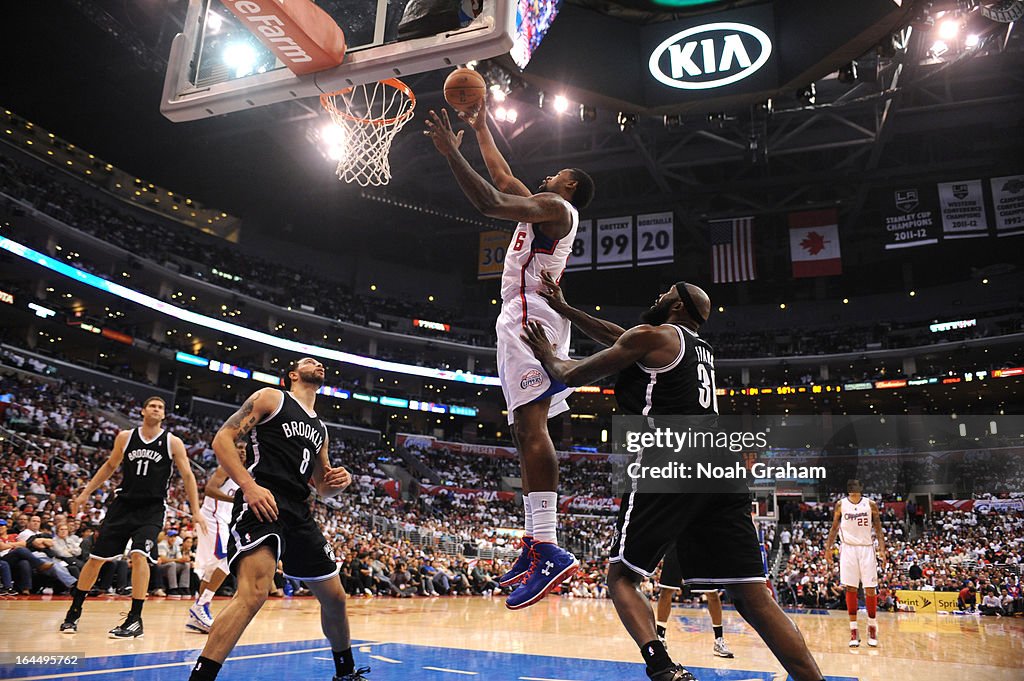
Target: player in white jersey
x,y
854,519
541,244
212,545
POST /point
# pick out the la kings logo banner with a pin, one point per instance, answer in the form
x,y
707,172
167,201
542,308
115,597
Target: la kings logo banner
x,y
908,215
963,209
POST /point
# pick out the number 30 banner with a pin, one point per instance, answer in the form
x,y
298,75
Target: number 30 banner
x,y
614,242
491,258
654,239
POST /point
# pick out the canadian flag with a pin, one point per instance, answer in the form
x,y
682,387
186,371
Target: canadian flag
x,y
814,243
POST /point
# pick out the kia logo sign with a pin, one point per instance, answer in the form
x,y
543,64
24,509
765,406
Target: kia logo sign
x,y
710,56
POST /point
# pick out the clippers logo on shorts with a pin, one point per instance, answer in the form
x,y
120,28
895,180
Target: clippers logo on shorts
x,y
710,56
531,379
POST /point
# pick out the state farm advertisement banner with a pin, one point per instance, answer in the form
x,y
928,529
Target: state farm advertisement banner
x,y
426,442
582,504
980,505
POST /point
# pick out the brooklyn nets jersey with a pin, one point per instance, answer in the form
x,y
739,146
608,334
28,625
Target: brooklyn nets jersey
x,y
283,448
146,468
685,386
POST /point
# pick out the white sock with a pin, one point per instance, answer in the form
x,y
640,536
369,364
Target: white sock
x,y
205,598
544,507
853,625
529,515
872,622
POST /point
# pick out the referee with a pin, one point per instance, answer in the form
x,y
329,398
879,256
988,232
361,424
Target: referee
x,y
664,369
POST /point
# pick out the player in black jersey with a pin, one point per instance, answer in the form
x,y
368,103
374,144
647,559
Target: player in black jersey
x,y
136,512
271,520
666,368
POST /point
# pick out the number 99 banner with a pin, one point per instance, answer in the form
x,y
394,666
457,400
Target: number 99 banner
x,y
614,242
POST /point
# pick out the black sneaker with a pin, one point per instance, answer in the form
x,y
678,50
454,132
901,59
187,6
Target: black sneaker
x,y
676,673
130,628
69,627
357,675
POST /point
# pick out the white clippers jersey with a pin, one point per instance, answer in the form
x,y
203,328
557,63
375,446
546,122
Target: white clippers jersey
x,y
220,510
855,526
530,253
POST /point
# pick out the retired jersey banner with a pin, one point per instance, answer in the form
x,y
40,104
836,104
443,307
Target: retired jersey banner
x,y
654,242
963,209
814,243
582,256
614,242
491,259
1008,200
909,216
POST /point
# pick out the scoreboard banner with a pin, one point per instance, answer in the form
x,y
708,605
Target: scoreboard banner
x,y
963,209
582,256
491,258
654,239
909,217
614,242
1008,201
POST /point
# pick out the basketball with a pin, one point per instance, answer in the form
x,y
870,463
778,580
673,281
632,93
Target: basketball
x,y
464,89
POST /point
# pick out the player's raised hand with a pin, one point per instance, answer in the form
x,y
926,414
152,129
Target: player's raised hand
x,y
261,502
534,336
552,292
476,117
439,130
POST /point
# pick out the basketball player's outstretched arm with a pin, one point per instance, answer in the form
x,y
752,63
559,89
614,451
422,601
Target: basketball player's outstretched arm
x,y
329,482
632,346
834,532
876,520
213,484
191,489
259,405
108,468
547,211
604,332
497,166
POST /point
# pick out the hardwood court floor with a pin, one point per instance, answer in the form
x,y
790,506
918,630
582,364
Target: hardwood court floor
x,y
450,638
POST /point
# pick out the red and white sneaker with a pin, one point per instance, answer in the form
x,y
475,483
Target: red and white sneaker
x,y
854,639
872,635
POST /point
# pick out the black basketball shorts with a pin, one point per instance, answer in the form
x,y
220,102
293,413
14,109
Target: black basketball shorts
x,y
294,538
138,521
715,541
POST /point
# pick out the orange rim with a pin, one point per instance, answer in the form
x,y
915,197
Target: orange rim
x,y
327,101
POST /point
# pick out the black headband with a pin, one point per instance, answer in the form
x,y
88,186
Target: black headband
x,y
691,307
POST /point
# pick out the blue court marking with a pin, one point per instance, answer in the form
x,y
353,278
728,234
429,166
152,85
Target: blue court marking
x,y
786,608
400,662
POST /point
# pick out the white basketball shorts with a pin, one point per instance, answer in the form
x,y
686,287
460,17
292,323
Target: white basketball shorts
x,y
523,378
212,546
857,565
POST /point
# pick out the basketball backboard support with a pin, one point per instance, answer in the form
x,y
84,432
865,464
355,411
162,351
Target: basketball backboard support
x,y
217,66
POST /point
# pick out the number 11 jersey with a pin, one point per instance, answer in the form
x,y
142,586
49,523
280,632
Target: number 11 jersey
x,y
283,448
145,468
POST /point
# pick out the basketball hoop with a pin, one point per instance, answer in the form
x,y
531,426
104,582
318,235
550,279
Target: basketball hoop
x,y
368,116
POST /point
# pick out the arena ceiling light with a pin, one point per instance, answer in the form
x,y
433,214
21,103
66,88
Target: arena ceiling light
x,y
237,330
560,104
240,57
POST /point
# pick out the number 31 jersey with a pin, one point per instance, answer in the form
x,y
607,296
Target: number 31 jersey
x,y
146,467
683,387
283,449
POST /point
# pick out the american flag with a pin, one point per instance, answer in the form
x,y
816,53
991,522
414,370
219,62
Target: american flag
x,y
732,250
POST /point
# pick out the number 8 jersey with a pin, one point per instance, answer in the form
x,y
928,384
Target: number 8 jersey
x,y
283,449
685,386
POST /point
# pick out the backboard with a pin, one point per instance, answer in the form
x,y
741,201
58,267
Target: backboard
x,y
218,66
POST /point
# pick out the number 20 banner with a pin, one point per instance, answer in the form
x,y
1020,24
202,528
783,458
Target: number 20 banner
x,y
654,244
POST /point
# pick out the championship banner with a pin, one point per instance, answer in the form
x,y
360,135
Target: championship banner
x,y
962,205
491,259
1008,200
814,243
582,255
654,239
614,243
909,216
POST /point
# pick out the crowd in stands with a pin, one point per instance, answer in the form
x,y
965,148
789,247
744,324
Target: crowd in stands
x,y
977,554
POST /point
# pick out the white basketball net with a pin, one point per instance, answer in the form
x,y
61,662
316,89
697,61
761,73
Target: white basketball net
x,y
368,118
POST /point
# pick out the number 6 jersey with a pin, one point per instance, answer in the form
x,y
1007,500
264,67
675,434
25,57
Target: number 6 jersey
x,y
283,449
146,467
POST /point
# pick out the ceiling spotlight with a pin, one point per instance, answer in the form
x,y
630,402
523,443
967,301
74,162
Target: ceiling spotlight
x,y
673,121
332,135
214,22
588,114
808,94
848,73
240,57
948,29
511,115
561,104
500,114
497,93
938,48
627,121
972,40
